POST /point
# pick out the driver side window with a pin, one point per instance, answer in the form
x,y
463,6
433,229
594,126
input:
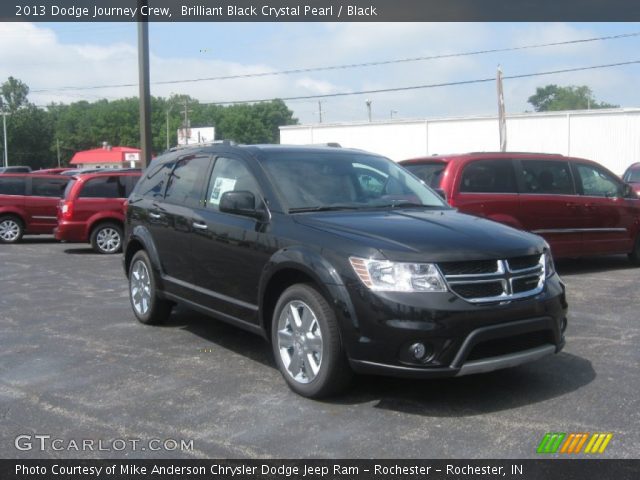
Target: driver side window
x,y
229,174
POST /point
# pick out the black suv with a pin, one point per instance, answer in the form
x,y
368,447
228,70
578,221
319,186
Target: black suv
x,y
343,260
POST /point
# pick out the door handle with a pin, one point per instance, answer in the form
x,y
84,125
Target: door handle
x,y
199,226
155,216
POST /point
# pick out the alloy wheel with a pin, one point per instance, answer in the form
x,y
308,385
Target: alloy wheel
x,y
300,341
108,240
9,230
140,286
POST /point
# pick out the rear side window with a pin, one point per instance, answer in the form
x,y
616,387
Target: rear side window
x,y
107,186
48,187
152,184
12,185
489,176
184,179
429,173
547,177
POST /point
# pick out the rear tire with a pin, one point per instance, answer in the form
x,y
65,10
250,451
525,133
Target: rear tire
x,y
306,343
106,238
11,229
147,306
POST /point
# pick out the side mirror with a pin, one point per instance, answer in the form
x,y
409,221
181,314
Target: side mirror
x,y
240,202
628,191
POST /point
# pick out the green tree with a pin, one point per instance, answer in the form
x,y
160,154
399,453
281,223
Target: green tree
x,y
30,138
554,98
14,94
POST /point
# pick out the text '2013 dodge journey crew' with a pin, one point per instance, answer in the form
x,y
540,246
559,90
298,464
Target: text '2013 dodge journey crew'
x,y
343,260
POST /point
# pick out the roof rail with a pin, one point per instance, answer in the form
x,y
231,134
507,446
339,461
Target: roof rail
x,y
204,144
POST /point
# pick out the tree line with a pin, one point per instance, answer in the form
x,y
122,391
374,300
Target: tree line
x,y
38,136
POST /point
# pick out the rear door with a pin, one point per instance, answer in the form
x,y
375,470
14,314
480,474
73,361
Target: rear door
x,y
549,205
171,219
487,188
610,220
44,194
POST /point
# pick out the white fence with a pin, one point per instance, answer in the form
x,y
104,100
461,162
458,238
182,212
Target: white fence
x,y
610,137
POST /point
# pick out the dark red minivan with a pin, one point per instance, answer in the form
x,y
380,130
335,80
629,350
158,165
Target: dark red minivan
x,y
28,204
577,205
92,209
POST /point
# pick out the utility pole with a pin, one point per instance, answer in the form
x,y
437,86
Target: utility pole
x,y
58,149
186,124
145,88
368,102
4,133
320,111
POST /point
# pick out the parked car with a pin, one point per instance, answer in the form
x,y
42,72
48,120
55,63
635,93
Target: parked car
x,y
577,205
632,177
92,209
28,204
55,171
15,169
341,259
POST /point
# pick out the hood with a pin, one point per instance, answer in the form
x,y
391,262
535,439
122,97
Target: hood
x,y
427,235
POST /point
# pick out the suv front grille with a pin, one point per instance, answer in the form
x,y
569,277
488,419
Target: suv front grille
x,y
485,281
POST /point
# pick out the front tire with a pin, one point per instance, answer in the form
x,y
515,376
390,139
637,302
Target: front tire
x,y
147,306
634,256
306,343
106,238
11,229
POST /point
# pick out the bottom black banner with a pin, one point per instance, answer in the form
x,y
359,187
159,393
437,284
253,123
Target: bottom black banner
x,y
582,469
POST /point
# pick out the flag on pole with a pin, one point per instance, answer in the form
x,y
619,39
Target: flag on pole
x,y
502,121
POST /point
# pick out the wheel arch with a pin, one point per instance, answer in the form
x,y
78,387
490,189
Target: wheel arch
x,y
292,266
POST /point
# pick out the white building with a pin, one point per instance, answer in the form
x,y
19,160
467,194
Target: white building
x,y
610,136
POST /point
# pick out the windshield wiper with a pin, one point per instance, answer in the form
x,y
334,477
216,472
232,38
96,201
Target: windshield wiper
x,y
404,204
324,208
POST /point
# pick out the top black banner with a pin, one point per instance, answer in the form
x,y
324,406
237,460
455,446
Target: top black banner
x,y
319,10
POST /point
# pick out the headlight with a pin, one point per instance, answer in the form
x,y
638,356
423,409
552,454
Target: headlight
x,y
549,267
385,276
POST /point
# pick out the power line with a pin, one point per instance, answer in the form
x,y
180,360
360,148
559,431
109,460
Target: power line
x,y
433,85
352,65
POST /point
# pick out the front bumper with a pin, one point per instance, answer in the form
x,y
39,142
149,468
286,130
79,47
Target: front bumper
x,y
461,338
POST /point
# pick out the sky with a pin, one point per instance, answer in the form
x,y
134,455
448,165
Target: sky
x,y
52,57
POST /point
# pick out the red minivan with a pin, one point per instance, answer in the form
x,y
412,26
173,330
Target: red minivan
x,y
577,205
92,209
28,204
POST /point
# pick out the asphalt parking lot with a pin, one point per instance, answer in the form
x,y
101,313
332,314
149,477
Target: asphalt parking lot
x,y
76,365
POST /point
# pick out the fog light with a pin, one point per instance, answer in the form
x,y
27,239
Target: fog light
x,y
418,350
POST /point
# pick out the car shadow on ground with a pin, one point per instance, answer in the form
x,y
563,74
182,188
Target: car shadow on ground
x,y
577,266
80,251
543,380
35,239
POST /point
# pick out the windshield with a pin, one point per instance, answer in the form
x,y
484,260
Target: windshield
x,y
345,180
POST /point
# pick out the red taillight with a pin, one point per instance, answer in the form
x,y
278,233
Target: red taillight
x,y
66,210
125,205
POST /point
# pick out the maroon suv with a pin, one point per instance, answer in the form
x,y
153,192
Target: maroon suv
x,y
28,204
92,209
577,205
